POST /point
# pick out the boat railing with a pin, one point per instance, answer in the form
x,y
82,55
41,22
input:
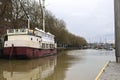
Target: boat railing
x,y
17,31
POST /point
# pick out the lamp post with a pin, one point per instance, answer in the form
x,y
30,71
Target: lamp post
x,y
117,29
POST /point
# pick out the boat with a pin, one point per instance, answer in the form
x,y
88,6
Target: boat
x,y
29,43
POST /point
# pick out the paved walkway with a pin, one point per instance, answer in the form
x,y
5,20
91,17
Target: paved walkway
x,y
111,72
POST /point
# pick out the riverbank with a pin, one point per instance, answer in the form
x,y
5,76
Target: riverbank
x,y
111,72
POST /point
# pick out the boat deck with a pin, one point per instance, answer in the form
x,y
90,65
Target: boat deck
x,y
111,72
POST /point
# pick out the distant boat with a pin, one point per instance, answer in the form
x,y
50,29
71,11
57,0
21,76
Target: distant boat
x,y
110,48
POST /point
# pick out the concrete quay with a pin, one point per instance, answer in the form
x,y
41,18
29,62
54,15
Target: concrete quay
x,y
110,71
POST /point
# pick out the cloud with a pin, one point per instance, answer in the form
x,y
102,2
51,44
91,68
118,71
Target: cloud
x,y
87,18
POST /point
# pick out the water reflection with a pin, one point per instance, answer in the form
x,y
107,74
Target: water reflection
x,y
64,61
37,69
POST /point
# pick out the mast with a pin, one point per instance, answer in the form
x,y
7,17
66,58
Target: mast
x,y
43,15
28,22
42,7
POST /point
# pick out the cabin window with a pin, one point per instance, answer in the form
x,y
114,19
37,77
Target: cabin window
x,y
22,30
47,46
16,30
51,45
43,45
6,38
10,31
30,33
31,38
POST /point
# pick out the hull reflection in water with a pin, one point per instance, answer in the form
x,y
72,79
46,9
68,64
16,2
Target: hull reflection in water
x,y
37,69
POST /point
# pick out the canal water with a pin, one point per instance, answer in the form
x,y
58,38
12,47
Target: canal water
x,y
67,65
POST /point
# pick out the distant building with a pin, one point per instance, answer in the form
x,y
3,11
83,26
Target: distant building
x,y
5,15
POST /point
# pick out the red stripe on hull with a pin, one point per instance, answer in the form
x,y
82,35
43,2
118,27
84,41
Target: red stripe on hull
x,y
26,52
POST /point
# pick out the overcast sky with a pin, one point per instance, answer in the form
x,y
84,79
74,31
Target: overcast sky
x,y
91,19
